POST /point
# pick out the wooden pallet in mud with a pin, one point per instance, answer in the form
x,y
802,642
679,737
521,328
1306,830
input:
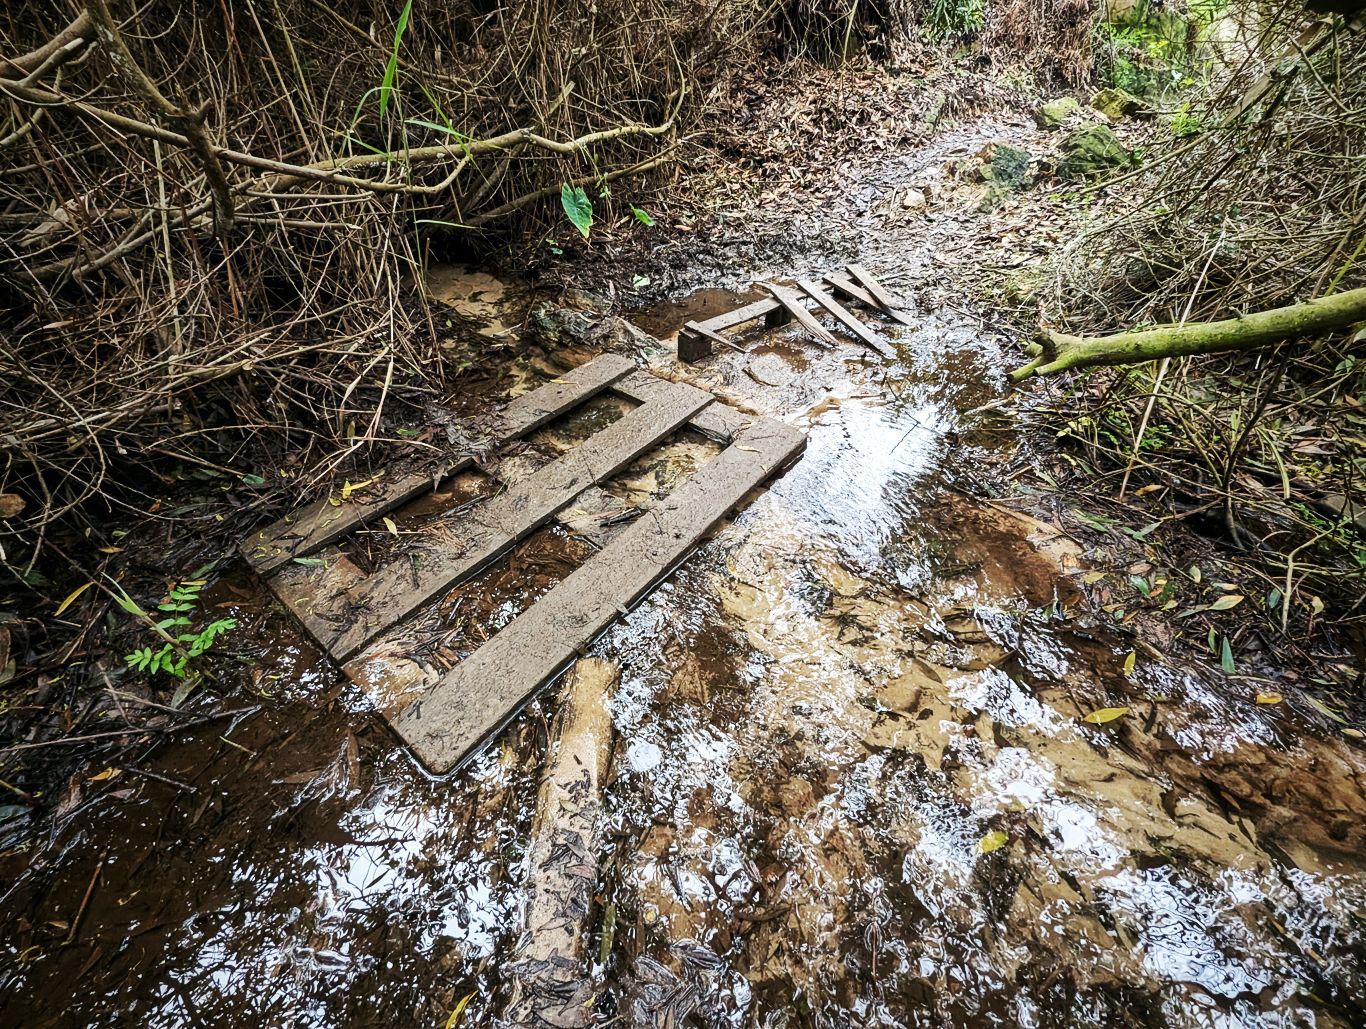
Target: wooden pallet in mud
x,y
444,714
695,339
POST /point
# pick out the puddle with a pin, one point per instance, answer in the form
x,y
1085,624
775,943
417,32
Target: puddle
x,y
852,785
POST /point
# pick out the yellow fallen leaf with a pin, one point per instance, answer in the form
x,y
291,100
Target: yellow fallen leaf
x,y
1227,602
1356,734
459,1009
108,773
1269,698
1106,714
349,487
389,524
1130,661
72,598
1091,578
992,841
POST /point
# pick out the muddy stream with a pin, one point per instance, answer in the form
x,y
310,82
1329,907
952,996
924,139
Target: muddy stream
x,y
851,781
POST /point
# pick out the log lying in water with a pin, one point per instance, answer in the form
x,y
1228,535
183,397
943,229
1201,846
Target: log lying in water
x,y
1057,351
552,986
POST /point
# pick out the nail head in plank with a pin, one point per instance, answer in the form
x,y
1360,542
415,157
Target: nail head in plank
x,y
473,700
846,319
401,587
792,301
313,527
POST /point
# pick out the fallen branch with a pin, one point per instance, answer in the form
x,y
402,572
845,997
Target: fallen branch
x,y
1058,351
551,986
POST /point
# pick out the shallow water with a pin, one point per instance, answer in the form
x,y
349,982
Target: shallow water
x,y
826,720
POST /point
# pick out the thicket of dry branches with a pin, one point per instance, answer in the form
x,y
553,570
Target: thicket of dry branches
x,y
209,212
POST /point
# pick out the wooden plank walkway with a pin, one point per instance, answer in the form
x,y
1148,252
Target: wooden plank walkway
x,y
792,300
846,319
472,701
492,528
367,618
311,528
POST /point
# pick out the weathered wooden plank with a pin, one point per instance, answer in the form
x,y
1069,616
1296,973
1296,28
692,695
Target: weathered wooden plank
x,y
846,319
400,588
846,286
693,345
474,699
884,299
715,337
718,421
311,528
792,301
748,313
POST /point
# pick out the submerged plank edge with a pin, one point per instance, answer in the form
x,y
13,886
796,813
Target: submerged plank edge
x,y
472,701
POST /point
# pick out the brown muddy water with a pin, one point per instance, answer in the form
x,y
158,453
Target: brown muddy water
x,y
852,785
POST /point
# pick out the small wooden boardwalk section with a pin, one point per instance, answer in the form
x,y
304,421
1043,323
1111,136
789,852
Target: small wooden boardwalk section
x,y
695,339
444,716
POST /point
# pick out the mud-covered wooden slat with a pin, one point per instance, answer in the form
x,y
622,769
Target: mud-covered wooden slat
x,y
470,702
843,284
884,299
846,319
717,421
748,313
792,300
404,585
311,528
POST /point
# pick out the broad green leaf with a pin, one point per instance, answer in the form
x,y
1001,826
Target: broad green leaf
x,y
1106,714
309,562
992,841
642,216
1226,657
577,207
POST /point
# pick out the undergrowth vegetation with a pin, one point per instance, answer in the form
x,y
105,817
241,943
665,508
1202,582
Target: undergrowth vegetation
x,y
1257,204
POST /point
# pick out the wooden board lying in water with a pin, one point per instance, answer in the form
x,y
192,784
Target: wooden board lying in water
x,y
475,699
446,715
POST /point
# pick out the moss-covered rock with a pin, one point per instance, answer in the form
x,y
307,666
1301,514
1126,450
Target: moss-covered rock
x,y
1116,104
1055,113
1007,166
1091,151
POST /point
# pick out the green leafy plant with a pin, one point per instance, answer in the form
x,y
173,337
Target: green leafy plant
x,y
577,207
642,216
180,644
390,79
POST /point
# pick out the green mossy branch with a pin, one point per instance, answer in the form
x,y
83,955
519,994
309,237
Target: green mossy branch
x,y
1057,351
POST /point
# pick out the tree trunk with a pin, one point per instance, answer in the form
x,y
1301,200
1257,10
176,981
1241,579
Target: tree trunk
x,y
1058,351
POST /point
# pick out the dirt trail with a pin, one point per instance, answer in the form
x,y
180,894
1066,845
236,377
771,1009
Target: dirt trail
x,y
852,784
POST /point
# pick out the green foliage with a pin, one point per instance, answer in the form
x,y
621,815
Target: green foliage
x,y
945,18
178,648
391,69
642,216
1187,122
577,207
